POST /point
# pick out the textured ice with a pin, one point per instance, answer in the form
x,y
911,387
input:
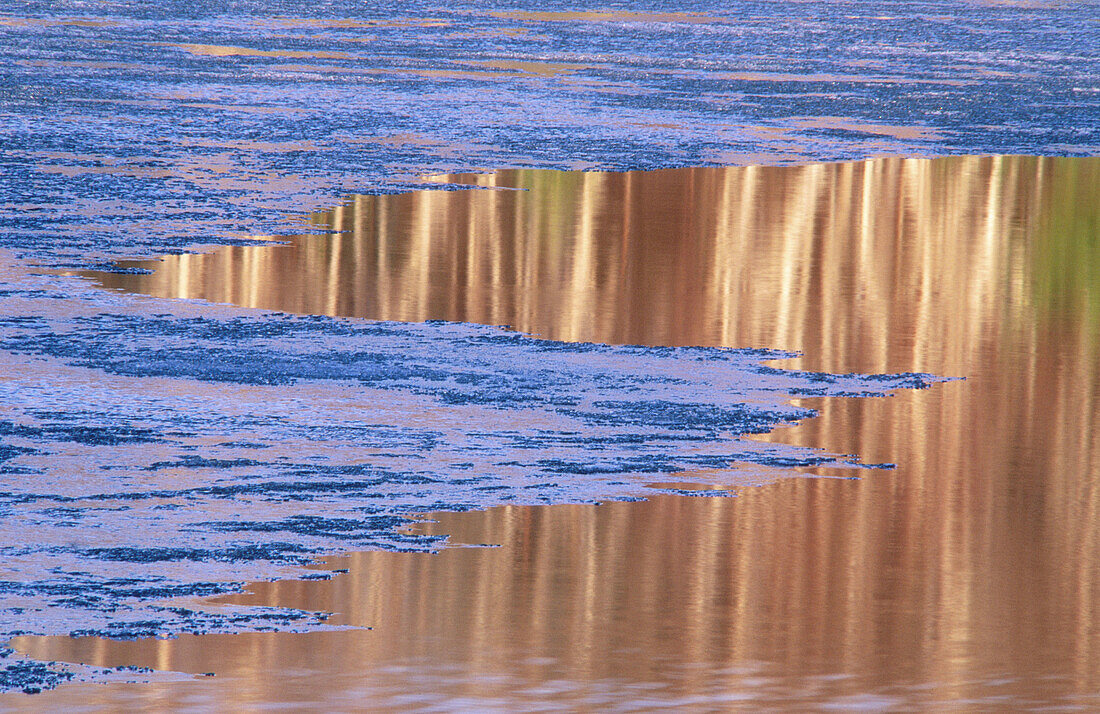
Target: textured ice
x,y
149,456
132,127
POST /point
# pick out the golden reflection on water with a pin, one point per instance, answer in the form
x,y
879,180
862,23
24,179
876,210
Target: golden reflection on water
x,y
968,573
857,264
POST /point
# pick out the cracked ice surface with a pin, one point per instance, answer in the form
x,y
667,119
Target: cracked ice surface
x,y
148,456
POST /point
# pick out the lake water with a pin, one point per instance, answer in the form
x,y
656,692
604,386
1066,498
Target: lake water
x,y
969,576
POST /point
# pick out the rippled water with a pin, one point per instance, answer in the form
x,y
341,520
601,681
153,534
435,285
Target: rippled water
x,y
968,576
852,263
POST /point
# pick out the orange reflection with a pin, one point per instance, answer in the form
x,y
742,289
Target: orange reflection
x,y
856,264
970,573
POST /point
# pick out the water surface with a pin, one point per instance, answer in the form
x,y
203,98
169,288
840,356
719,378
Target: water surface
x,y
854,264
968,575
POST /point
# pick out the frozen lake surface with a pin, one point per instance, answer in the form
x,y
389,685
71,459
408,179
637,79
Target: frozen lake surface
x,y
153,449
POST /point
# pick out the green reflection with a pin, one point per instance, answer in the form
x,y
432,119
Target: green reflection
x,y
1066,249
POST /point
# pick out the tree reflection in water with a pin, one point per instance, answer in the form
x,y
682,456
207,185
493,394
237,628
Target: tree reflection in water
x,y
969,573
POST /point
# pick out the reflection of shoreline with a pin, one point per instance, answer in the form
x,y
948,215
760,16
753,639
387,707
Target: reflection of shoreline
x,y
977,560
627,258
760,597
